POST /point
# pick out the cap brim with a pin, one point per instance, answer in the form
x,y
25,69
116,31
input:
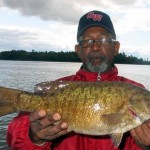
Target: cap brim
x,y
95,25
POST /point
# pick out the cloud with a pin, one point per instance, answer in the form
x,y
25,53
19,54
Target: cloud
x,y
137,52
47,10
124,2
66,11
127,14
128,17
16,37
28,38
133,20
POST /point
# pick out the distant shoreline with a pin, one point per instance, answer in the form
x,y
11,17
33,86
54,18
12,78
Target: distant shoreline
x,y
51,56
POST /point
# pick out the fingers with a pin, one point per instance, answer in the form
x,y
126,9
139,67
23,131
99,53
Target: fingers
x,y
141,134
134,133
46,127
145,138
148,124
55,131
50,120
34,116
54,126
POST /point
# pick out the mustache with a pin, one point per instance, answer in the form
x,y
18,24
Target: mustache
x,y
96,55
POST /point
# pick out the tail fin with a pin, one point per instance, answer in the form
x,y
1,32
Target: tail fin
x,y
8,100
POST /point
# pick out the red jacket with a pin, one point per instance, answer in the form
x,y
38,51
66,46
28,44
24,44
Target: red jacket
x,y
18,138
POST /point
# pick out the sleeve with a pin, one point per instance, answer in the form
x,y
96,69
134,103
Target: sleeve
x,y
18,137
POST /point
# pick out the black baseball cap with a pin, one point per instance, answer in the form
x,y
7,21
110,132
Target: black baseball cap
x,y
95,18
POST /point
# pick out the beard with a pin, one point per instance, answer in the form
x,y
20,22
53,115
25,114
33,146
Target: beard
x,y
96,63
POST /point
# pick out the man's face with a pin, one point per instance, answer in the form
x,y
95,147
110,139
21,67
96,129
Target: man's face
x,y
97,57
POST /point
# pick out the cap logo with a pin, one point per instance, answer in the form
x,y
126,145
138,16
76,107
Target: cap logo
x,y
95,17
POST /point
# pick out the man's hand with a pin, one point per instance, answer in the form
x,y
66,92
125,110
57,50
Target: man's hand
x,y
141,134
46,127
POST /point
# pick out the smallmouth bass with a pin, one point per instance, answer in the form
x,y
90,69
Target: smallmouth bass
x,y
93,108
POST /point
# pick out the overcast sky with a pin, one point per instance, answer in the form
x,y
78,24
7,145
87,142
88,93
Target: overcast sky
x,y
52,24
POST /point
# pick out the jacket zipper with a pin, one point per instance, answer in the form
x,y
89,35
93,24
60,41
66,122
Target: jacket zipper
x,y
98,77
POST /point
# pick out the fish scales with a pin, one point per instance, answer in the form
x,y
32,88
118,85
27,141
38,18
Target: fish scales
x,y
111,95
98,108
83,108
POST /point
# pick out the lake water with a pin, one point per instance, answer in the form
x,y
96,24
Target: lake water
x,y
25,74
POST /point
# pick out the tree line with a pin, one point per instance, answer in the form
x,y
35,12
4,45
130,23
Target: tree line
x,y
23,55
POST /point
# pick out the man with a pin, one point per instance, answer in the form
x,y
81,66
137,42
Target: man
x,y
96,47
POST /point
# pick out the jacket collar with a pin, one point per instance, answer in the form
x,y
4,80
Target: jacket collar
x,y
92,76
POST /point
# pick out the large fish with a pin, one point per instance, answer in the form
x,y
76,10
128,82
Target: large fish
x,y
98,108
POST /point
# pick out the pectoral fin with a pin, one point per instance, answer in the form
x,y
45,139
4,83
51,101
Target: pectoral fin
x,y
116,138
